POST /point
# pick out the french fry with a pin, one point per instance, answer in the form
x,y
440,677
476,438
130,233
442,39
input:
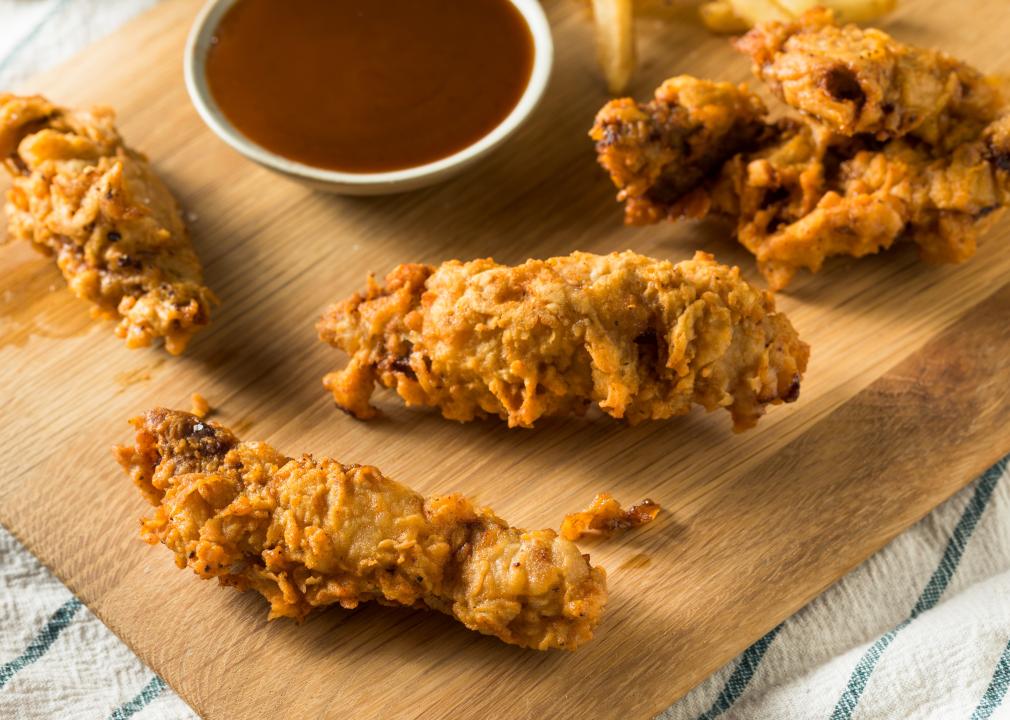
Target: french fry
x,y
615,41
670,10
858,11
755,11
719,16
727,16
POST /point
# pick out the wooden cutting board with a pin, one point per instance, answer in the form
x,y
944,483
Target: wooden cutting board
x,y
905,401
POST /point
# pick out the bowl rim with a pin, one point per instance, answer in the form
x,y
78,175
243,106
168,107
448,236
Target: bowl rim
x,y
194,72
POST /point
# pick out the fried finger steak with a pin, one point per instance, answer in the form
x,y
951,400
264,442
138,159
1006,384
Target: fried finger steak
x,y
117,233
878,153
640,338
309,533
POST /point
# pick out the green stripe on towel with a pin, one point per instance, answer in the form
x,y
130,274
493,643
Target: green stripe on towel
x,y
43,641
741,676
930,595
128,709
996,691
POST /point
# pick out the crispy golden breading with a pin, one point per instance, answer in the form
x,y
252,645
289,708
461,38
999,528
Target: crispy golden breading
x,y
309,533
117,233
605,516
863,81
867,172
658,152
643,339
812,195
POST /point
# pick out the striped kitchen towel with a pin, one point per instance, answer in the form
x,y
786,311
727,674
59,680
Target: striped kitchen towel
x,y
57,660
921,630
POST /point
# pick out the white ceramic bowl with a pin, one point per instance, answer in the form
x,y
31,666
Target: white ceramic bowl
x,y
348,183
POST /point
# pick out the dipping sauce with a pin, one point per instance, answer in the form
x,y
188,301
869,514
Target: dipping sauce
x,y
369,85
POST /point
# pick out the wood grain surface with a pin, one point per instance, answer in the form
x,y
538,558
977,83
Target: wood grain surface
x,y
904,403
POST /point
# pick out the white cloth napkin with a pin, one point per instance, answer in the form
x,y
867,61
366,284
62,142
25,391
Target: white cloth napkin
x,y
38,34
921,630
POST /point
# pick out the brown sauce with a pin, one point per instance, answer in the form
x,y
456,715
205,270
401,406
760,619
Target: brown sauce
x,y
369,85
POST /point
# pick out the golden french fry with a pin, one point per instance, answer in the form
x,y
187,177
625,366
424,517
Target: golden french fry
x,y
860,10
665,9
738,15
615,41
719,16
755,11
795,8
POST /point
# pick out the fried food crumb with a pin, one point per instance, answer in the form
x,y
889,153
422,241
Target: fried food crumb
x,y
308,533
605,516
200,406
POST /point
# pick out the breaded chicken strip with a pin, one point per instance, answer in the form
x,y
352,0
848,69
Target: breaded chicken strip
x,y
853,175
117,233
643,339
863,81
309,533
657,153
